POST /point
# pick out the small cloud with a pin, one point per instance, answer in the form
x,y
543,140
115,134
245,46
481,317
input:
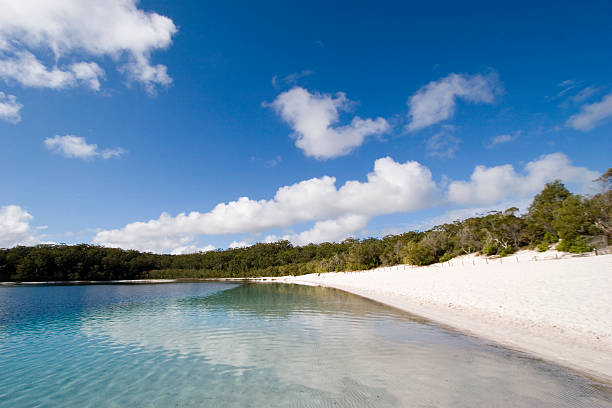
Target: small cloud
x,y
591,115
192,249
313,118
443,144
291,79
76,147
584,94
238,244
572,95
113,153
437,101
567,86
274,162
501,139
9,108
319,44
16,228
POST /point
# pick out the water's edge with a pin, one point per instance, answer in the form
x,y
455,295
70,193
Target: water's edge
x,y
535,349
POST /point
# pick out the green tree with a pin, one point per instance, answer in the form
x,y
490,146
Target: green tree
x,y
540,214
570,219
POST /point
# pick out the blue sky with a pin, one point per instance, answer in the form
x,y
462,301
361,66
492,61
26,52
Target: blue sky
x,y
194,104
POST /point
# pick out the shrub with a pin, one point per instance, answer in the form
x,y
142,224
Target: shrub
x,y
489,249
419,255
507,251
543,246
575,246
446,257
550,238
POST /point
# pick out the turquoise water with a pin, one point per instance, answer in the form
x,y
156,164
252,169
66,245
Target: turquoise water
x,y
266,345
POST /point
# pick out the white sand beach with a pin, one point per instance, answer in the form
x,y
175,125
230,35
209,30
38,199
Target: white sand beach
x,y
550,305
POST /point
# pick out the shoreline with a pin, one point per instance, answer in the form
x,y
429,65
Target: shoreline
x,y
91,282
558,311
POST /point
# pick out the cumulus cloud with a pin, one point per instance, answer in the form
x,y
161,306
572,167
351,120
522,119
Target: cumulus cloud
x,y
75,29
238,244
330,230
26,69
76,147
391,187
312,117
489,185
192,249
325,231
9,108
436,101
15,227
340,212
592,115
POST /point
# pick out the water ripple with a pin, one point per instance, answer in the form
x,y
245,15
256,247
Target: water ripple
x,y
220,345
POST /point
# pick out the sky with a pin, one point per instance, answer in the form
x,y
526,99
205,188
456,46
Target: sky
x,y
177,127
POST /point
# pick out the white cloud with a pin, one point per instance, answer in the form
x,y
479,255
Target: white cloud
x,y
76,147
443,144
505,138
436,101
15,227
73,29
192,249
326,231
26,69
238,244
490,185
391,187
331,230
9,108
312,116
585,94
592,115
464,213
290,79
567,86
113,153
338,213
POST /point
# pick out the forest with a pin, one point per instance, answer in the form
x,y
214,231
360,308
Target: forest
x,y
556,217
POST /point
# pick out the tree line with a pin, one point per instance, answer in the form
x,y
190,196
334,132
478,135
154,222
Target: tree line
x,y
572,222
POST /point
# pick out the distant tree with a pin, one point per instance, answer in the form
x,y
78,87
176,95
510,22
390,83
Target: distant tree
x,y
570,219
599,206
540,214
415,253
606,180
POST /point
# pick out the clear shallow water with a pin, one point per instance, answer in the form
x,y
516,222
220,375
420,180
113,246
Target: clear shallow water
x,y
267,345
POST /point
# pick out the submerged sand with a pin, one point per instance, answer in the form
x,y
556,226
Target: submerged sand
x,y
550,305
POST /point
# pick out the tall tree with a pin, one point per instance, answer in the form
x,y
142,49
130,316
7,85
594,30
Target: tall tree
x,y
540,214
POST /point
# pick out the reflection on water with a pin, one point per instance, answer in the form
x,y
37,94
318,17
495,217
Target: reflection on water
x,y
265,345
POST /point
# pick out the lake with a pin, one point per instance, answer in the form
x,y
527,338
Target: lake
x,y
219,344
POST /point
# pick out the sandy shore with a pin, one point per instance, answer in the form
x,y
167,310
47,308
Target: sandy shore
x,y
555,307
